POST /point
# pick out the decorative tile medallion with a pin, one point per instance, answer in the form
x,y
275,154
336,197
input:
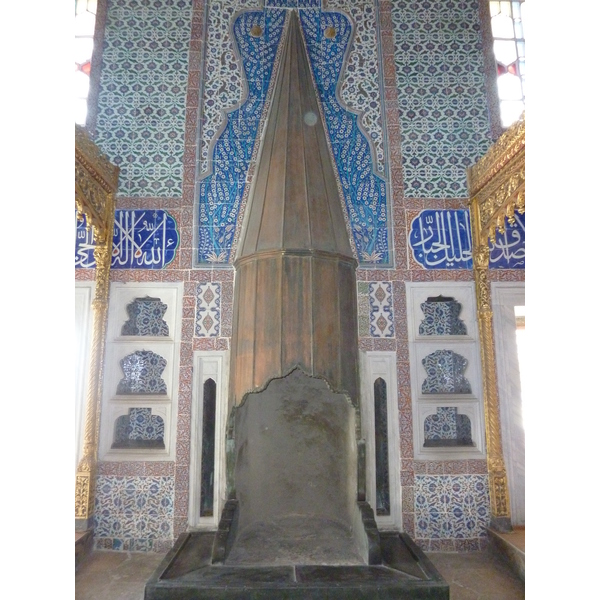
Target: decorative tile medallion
x,y
143,370
445,370
441,317
146,318
441,94
142,239
139,426
134,511
441,239
208,309
141,106
381,311
451,506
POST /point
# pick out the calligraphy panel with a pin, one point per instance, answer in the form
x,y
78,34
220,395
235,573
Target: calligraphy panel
x,y
441,239
508,252
142,239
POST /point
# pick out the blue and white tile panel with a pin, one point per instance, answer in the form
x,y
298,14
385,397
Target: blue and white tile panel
x,y
133,513
232,119
441,94
451,506
141,106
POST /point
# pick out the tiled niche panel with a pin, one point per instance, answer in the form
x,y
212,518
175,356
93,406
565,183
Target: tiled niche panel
x,y
141,372
445,371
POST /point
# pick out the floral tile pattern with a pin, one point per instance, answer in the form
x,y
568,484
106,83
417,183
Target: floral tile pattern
x,y
234,110
141,106
143,370
441,318
451,506
139,425
381,315
208,309
221,190
361,89
365,193
441,94
146,318
133,512
445,370
447,425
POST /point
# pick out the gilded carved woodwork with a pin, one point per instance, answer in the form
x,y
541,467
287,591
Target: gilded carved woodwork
x,y
96,182
497,190
497,181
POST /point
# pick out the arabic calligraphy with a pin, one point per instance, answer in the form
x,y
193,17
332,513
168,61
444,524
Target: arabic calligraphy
x,y
508,251
142,239
441,239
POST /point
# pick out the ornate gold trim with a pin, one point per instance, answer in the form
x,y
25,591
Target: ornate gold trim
x,y
497,189
96,181
497,181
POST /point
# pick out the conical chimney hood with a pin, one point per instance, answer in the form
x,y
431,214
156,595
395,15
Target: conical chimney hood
x,y
294,203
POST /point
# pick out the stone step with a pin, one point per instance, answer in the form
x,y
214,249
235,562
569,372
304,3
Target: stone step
x,y
510,547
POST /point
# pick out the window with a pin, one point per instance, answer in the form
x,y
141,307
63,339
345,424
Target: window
x,y
207,444
509,53
380,430
85,21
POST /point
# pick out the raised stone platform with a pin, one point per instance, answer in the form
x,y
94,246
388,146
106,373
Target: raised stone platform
x,y
187,573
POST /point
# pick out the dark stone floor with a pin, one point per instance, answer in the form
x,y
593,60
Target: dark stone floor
x,y
106,575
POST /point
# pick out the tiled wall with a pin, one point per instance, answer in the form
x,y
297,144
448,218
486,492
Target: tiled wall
x,y
441,94
420,160
234,106
141,105
134,512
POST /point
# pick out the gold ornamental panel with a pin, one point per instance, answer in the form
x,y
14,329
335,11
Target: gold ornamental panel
x,y
96,181
496,190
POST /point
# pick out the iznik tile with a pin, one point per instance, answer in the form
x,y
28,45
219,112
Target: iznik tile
x,y
143,370
140,425
446,426
441,94
141,106
228,142
451,506
365,193
142,239
441,239
134,508
441,317
146,318
381,311
228,155
361,89
508,250
208,310
445,370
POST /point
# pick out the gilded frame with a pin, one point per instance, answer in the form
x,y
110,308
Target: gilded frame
x,y
96,181
496,189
